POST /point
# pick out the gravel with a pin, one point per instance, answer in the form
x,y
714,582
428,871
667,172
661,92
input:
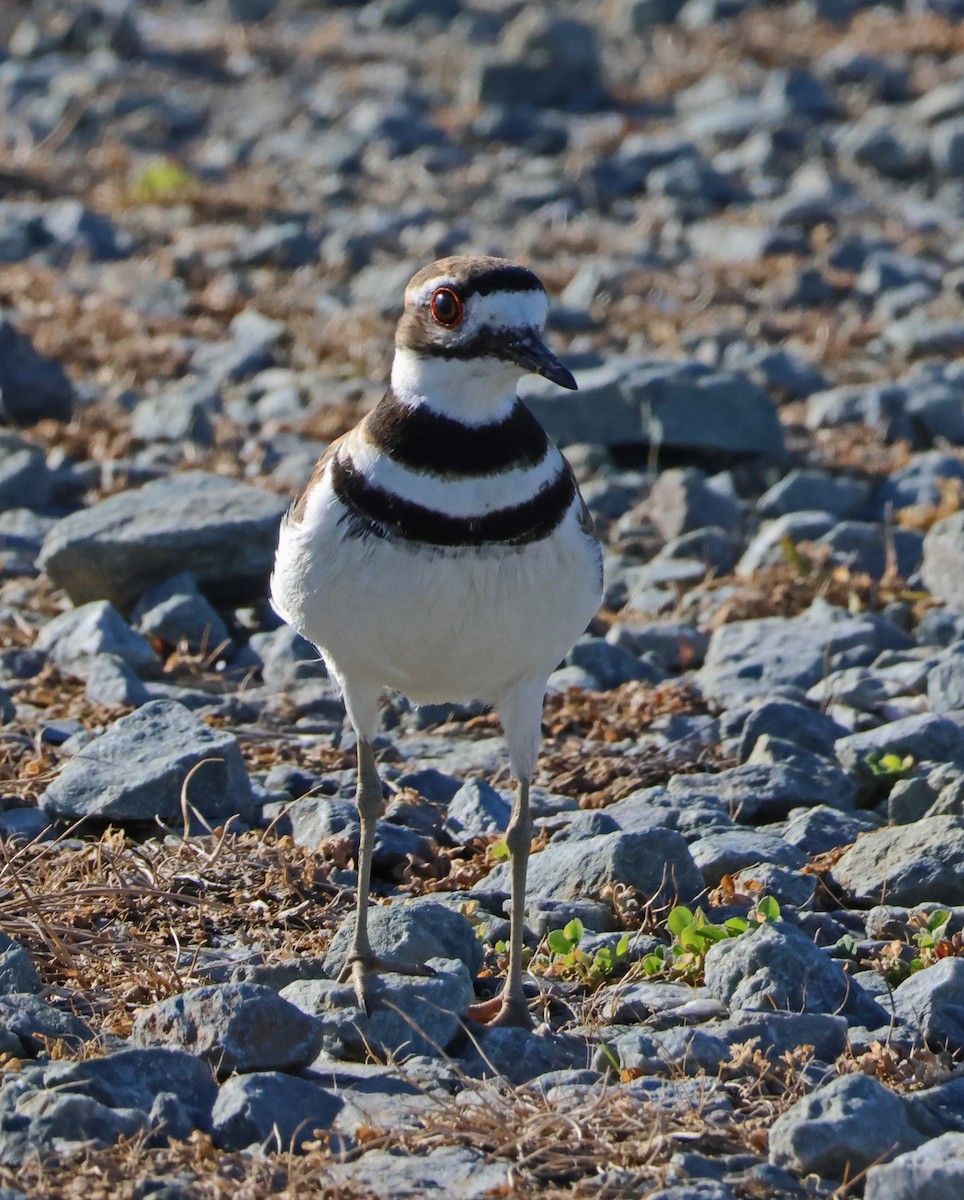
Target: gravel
x,y
750,227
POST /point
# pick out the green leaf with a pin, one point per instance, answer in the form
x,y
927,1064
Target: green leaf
x,y
678,919
937,919
768,908
500,947
622,946
574,931
558,943
653,963
736,925
499,851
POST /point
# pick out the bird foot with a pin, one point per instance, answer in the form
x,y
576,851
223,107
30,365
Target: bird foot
x,y
360,969
500,1011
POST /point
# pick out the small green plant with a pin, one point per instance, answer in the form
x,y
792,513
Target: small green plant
x,y
932,943
693,934
886,765
567,960
163,180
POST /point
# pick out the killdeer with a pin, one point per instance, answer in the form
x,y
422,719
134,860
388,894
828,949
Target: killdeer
x,y
442,549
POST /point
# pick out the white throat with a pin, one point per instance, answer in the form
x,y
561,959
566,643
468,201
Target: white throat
x,y
474,391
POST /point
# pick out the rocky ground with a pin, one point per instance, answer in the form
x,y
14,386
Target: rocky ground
x,y
746,907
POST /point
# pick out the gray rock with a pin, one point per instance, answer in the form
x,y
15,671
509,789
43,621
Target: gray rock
x,y
610,665
863,546
519,1056
777,966
32,387
477,808
841,1129
947,148
934,1171
412,934
769,791
730,850
674,644
267,1107
136,770
656,862
549,62
816,830
449,1171
249,350
223,532
25,481
777,1033
233,1027
176,611
926,737
674,405
798,723
922,334
93,629
814,491
109,680
932,1001
35,1022
768,545
181,412
905,864
945,682
942,568
762,656
134,1079
693,815
410,1014
681,501
17,970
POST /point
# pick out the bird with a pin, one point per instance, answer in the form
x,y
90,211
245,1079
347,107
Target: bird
x,y
441,549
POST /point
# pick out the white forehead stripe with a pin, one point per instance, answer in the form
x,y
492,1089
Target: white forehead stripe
x,y
499,310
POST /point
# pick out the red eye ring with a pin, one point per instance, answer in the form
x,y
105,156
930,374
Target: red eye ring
x,y
446,307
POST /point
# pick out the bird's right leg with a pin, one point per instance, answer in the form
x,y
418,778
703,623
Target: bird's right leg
x,y
362,962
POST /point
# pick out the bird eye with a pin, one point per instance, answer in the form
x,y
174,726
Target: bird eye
x,y
446,307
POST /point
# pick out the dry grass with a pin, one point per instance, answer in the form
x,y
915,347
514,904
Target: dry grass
x,y
114,923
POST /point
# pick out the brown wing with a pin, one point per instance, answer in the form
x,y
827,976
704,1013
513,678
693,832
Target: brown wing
x,y
296,512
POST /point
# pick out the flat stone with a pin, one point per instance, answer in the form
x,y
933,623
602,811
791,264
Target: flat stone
x,y
760,656
654,861
17,970
925,737
841,1128
136,770
777,966
33,387
93,629
934,1171
448,1171
221,531
942,568
410,1014
411,934
728,851
233,1027
270,1107
905,864
176,611
932,1001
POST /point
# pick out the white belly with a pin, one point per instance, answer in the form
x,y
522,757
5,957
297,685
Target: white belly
x,y
447,625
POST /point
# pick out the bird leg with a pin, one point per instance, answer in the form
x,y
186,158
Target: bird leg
x,y
518,839
362,961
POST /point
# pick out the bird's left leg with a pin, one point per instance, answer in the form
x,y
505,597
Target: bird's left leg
x,y
521,713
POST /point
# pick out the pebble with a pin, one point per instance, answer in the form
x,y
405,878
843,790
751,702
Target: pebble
x,y
138,770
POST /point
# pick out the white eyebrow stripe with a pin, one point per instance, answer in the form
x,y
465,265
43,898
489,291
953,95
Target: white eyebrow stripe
x,y
502,310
